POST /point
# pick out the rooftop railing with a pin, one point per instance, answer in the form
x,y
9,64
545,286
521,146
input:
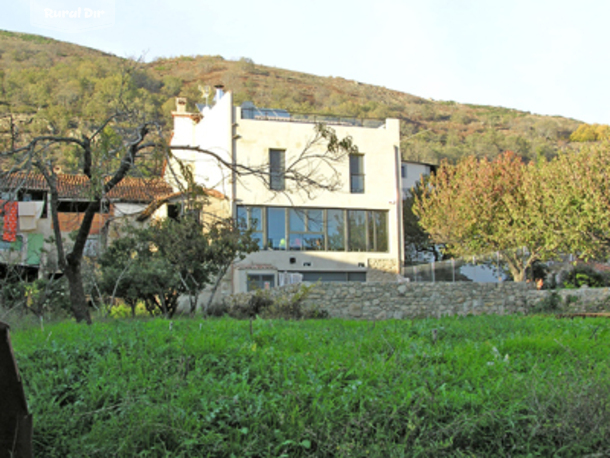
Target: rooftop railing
x,y
267,114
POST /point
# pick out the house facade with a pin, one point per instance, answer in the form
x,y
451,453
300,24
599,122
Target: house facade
x,y
411,173
352,232
26,223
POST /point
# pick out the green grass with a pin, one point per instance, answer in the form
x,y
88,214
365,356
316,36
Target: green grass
x,y
488,386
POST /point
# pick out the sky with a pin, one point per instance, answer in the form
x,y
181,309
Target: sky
x,y
545,57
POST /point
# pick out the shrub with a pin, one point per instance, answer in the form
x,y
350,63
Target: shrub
x,y
550,304
284,304
584,275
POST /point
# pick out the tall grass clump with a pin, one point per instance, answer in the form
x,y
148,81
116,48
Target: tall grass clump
x,y
475,386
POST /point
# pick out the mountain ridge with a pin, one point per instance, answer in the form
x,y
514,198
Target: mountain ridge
x,y
430,130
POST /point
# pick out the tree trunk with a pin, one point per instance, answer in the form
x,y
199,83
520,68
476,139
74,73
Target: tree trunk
x,y
78,299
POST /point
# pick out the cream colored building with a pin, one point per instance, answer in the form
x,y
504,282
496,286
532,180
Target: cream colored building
x,y
350,233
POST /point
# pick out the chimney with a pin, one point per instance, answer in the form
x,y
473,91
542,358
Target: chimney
x,y
219,92
181,104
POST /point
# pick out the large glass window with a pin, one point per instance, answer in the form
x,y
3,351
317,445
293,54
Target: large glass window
x,y
306,229
276,228
317,229
336,230
277,169
356,225
251,218
377,231
356,173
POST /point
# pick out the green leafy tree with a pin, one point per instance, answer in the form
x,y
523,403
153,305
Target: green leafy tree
x,y
157,264
106,131
134,270
416,240
481,206
576,190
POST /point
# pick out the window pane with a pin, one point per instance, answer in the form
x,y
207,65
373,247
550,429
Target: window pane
x,y
277,168
260,281
313,242
356,172
357,184
315,221
377,231
258,236
355,164
242,218
256,218
357,230
276,228
381,225
296,241
297,220
336,230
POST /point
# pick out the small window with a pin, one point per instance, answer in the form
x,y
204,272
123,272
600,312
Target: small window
x,y
260,281
356,173
403,171
277,169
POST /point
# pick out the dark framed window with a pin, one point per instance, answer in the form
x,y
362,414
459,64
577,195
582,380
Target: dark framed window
x,y
356,173
335,226
306,229
316,229
260,281
277,169
251,218
377,228
333,276
276,228
356,227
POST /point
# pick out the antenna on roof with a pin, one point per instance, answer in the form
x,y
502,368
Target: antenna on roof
x,y
205,93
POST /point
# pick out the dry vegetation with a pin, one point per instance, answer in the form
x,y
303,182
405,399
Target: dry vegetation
x,y
431,130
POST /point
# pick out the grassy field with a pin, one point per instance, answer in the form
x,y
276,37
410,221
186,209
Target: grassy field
x,y
475,386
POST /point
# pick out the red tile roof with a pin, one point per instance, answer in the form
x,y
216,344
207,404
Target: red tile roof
x,y
75,187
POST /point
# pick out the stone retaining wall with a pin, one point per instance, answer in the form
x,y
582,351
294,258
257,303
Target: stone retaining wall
x,y
379,301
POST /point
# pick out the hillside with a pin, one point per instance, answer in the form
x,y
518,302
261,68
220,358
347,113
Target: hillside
x,y
41,75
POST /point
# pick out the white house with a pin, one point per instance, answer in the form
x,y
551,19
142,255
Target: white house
x,y
352,233
411,173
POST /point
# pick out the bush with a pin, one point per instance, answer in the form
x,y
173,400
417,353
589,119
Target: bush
x,y
582,275
550,304
282,304
39,297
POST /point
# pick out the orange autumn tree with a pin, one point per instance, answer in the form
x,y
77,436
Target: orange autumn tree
x,y
478,207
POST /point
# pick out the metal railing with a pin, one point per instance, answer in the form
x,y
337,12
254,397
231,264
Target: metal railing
x,y
265,114
482,269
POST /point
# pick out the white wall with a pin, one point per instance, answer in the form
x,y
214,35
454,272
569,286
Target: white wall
x,y
414,171
212,133
248,141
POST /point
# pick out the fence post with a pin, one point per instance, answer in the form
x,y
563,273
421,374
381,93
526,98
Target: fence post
x,y
453,268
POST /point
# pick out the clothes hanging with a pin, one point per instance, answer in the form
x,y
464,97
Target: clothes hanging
x,y
9,210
